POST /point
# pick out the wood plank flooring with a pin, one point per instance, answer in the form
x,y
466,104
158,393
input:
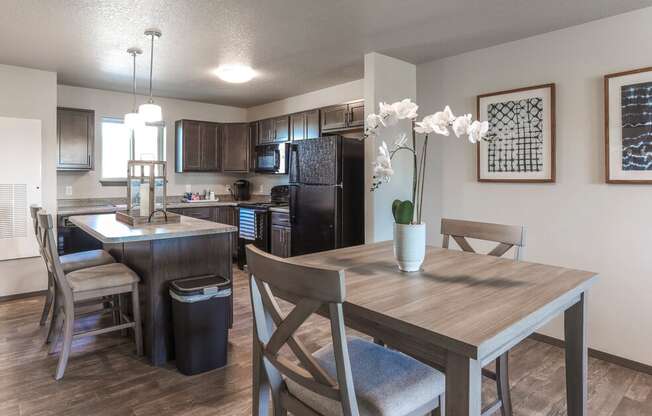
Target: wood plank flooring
x,y
105,378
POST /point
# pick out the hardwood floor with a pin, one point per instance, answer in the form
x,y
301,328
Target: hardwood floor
x,y
104,376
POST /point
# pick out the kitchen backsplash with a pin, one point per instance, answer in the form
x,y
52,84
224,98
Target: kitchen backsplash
x,y
71,185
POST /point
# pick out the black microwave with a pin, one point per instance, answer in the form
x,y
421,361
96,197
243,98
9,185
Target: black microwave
x,y
272,158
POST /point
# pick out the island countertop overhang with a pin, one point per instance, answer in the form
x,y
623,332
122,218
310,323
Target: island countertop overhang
x,y
108,230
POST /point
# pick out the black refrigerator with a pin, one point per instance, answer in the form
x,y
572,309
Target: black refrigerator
x,y
326,194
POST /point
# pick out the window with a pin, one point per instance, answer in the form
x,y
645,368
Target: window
x,y
120,144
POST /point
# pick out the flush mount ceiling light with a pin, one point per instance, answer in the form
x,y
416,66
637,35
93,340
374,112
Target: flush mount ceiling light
x,y
149,111
236,74
134,120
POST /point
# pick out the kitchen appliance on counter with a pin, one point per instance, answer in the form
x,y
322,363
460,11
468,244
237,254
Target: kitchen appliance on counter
x,y
240,190
272,158
326,194
253,223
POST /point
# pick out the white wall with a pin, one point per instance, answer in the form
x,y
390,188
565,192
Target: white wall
x,y
388,80
336,94
29,93
580,221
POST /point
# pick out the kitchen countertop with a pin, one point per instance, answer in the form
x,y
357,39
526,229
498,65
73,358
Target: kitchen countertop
x,y
107,229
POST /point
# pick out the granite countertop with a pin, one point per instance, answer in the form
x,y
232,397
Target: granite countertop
x,y
107,229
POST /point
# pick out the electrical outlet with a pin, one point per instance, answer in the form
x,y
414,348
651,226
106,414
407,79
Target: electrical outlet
x,y
68,190
188,188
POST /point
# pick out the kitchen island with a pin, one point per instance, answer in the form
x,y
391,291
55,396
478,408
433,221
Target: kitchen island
x,y
159,253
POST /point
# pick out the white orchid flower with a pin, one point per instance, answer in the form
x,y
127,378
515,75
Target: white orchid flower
x,y
383,165
425,126
477,131
373,121
461,125
388,114
400,141
405,109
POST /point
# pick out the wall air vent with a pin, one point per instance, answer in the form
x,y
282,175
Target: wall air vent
x,y
13,210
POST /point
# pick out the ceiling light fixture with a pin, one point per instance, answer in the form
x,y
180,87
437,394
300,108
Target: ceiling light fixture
x,y
134,120
236,74
149,111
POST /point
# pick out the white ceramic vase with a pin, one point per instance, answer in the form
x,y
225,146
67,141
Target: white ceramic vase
x,y
409,246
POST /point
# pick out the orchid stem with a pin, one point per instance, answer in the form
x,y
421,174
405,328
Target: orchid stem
x,y
415,166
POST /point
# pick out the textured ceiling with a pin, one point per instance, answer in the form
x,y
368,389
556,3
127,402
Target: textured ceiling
x,y
296,45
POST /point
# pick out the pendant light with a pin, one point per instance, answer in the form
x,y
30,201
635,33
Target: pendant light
x,y
149,111
134,120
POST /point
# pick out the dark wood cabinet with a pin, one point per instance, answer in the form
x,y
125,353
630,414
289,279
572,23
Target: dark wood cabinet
x,y
235,149
342,117
253,141
356,114
75,139
198,146
334,118
274,130
265,131
211,143
221,214
281,234
312,124
304,125
282,129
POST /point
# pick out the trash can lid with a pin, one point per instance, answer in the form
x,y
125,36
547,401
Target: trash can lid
x,y
199,285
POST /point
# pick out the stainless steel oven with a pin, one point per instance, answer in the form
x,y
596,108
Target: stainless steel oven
x,y
272,158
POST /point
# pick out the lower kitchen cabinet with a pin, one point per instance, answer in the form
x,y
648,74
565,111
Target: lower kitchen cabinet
x,y
223,215
281,236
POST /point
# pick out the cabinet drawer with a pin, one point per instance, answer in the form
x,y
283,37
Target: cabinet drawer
x,y
204,213
281,218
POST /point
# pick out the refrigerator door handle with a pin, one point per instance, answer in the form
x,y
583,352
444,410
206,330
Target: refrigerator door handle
x,y
293,203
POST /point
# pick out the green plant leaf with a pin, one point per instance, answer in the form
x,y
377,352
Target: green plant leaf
x,y
395,205
404,212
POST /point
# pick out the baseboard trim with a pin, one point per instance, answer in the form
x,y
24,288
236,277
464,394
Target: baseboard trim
x,y
600,355
23,295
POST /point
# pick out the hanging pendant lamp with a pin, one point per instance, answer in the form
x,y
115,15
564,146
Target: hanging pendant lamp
x,y
134,120
149,111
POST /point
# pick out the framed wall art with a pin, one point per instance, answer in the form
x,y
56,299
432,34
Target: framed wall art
x,y
522,135
628,126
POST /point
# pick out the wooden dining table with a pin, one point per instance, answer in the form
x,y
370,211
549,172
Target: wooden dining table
x,y
459,313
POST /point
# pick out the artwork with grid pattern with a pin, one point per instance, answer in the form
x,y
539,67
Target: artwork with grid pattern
x,y
517,128
636,112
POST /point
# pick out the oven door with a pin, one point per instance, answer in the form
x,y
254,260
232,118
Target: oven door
x,y
272,158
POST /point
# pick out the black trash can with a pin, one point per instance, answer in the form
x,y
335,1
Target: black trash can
x,y
200,317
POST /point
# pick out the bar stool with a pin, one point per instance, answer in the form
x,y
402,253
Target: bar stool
x,y
69,262
91,283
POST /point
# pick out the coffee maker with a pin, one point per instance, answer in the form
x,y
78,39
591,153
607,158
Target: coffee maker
x,y
240,190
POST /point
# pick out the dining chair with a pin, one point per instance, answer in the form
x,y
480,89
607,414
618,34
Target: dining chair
x,y
507,237
89,283
70,263
350,376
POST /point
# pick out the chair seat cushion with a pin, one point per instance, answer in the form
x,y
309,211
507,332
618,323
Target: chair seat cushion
x,y
386,382
101,277
81,260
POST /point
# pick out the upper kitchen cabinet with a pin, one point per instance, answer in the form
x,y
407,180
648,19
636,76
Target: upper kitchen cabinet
x,y
342,117
253,141
304,125
235,155
282,129
274,130
198,146
75,139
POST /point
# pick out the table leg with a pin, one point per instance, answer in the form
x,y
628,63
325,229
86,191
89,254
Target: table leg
x,y
260,385
463,386
576,357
